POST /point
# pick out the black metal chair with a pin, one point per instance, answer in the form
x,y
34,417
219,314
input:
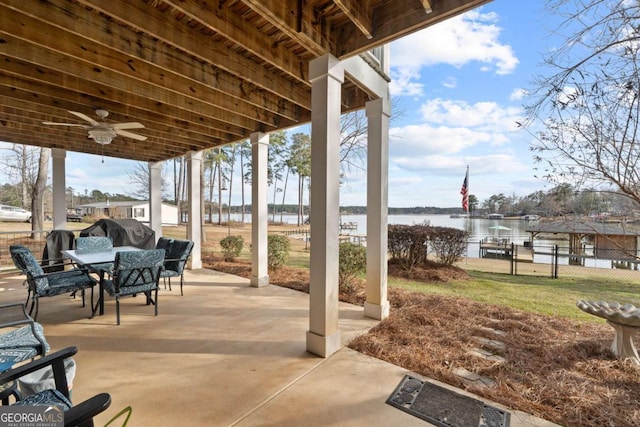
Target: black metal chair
x,y
80,415
177,253
43,284
135,272
21,338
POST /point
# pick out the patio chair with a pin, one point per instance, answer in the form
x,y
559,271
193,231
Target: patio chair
x,y
41,284
135,272
94,244
177,253
57,241
79,415
21,338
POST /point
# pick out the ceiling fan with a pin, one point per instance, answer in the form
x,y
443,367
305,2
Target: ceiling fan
x,y
101,131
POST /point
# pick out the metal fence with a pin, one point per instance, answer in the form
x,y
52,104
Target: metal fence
x,y
551,260
34,240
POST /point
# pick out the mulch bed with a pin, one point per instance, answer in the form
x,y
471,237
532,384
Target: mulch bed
x,y
556,369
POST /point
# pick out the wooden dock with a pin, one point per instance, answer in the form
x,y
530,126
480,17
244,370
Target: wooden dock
x,y
504,249
359,239
348,225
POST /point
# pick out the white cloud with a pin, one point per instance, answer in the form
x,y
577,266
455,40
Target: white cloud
x,y
518,94
484,116
428,160
470,37
429,140
483,164
450,82
77,173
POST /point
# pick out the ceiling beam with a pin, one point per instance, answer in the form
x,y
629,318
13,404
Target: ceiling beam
x,y
167,141
93,63
395,19
19,134
159,58
18,89
60,83
177,134
151,21
359,12
297,22
221,20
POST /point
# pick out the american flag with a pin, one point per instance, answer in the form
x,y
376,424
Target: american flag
x,y
465,192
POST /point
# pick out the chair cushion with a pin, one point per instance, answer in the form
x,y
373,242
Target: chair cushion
x,y
21,344
33,269
169,273
46,398
92,244
66,281
110,287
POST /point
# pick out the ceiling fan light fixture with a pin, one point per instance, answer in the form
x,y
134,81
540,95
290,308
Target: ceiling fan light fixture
x,y
102,136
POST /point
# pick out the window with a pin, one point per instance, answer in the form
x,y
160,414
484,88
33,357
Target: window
x,y
138,212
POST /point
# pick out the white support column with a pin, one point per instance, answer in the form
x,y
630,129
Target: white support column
x,y
194,225
326,75
378,112
259,209
58,172
155,198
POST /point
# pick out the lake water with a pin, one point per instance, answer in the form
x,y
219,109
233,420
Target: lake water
x,y
478,228
514,230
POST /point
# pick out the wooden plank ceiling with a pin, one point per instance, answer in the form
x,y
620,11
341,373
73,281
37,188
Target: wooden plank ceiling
x,y
195,73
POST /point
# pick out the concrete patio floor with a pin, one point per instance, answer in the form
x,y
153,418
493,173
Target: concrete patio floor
x,y
224,354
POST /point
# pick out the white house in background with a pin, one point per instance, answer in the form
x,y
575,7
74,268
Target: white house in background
x,y
138,209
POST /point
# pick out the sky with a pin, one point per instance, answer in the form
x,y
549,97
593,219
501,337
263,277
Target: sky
x,y
458,90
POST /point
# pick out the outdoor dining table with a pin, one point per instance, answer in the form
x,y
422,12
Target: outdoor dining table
x,y
100,263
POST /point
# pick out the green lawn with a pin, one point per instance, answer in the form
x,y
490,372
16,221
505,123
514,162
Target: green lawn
x,y
534,294
529,293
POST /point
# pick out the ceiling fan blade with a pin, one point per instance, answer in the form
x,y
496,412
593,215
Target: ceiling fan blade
x,y
84,117
130,125
130,135
66,124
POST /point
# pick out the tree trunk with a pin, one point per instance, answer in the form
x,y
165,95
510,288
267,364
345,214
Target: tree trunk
x,y
275,191
212,181
219,191
179,194
284,192
231,168
40,185
203,235
242,183
300,204
24,175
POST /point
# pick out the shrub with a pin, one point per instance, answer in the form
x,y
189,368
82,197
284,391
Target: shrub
x,y
448,244
231,247
277,251
353,261
408,244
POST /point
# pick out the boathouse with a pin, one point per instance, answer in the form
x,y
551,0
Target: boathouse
x,y
616,241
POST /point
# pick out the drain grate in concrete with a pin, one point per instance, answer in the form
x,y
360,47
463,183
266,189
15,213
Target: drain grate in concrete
x,y
444,407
